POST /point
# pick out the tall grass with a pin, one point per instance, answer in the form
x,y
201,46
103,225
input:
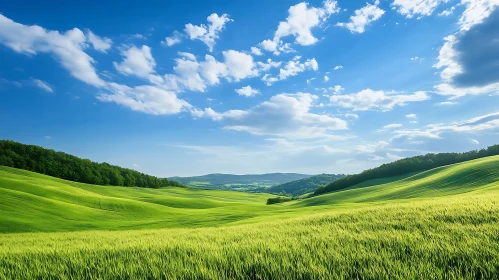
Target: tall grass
x,y
445,238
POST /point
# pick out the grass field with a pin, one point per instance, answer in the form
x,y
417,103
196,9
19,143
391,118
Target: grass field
x,y
439,224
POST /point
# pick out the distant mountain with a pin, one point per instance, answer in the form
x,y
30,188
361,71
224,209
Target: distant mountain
x,y
305,185
239,182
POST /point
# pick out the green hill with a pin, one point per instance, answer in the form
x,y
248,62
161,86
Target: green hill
x,y
250,182
302,186
406,166
436,224
69,167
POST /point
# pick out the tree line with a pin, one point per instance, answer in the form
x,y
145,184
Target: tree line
x,y
69,167
407,165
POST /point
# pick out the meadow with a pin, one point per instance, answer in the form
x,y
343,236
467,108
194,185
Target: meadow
x,y
438,224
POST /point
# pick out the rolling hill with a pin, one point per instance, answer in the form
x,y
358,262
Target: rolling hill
x,y
406,166
438,224
239,182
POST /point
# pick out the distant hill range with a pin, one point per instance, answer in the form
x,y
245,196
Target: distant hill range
x,y
303,186
239,182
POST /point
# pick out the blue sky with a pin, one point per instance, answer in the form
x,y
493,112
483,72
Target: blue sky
x,y
195,87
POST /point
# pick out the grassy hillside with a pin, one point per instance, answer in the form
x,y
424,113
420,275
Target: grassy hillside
x,y
406,166
302,186
69,167
438,224
249,182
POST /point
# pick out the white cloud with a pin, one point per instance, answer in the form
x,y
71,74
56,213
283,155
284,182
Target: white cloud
x,y
460,74
326,78
411,8
187,55
479,124
302,19
417,59
411,116
240,65
447,12
350,115
256,51
67,47
147,99
101,44
43,85
376,100
247,91
292,68
363,17
194,75
284,115
269,45
47,137
299,23
393,125
136,62
338,67
266,66
172,40
208,33
446,103
474,141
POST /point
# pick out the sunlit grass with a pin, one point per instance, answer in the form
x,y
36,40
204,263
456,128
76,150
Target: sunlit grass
x,y
439,224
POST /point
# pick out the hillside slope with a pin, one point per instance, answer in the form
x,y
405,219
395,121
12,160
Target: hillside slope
x,y
406,166
452,237
69,167
33,202
475,175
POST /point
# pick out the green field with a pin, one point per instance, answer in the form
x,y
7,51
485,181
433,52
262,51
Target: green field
x,y
438,224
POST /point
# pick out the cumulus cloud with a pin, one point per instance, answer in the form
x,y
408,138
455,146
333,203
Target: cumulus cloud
x,y
43,85
256,51
147,99
101,44
266,66
448,12
363,17
67,47
172,40
137,62
210,32
469,58
299,24
338,67
326,78
292,68
411,8
191,74
411,116
247,91
284,115
369,99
